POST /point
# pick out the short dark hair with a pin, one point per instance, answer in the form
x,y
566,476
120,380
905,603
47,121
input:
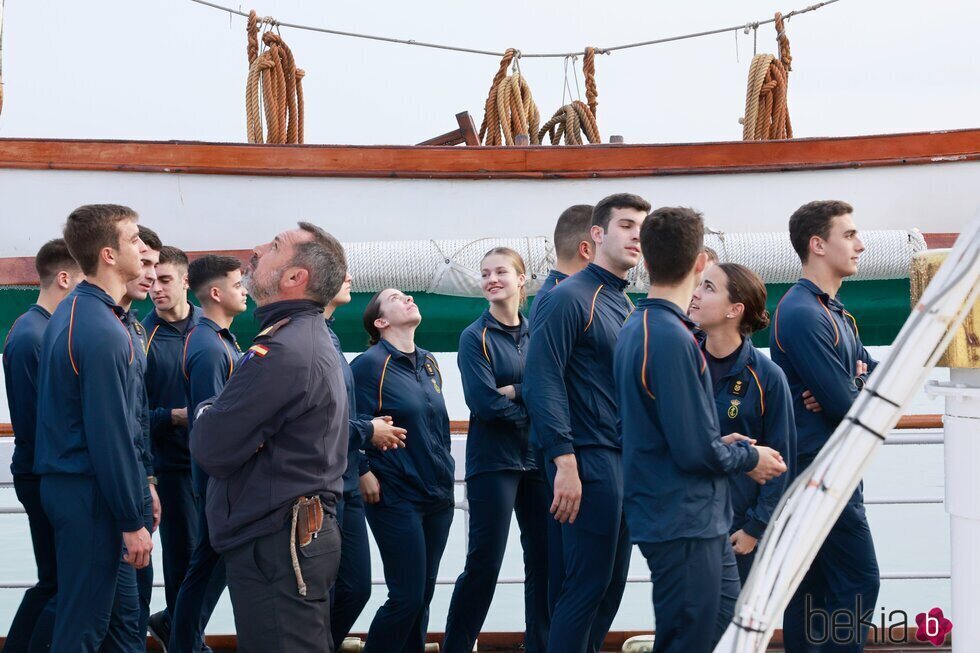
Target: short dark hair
x,y
671,239
150,238
712,254
746,288
207,269
170,254
572,228
602,213
52,258
814,219
90,228
325,260
371,313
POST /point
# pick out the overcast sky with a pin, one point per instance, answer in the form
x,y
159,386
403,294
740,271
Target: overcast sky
x,y
155,69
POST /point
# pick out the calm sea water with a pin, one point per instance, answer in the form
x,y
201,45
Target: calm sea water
x,y
908,538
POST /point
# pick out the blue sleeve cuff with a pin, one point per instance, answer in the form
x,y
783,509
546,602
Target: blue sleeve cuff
x,y
755,528
559,449
752,460
518,393
130,525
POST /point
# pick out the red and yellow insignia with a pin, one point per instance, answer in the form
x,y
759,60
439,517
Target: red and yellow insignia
x,y
259,350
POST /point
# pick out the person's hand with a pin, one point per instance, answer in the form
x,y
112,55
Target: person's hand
x,y
386,434
508,391
178,416
157,511
568,489
810,402
138,546
862,368
370,488
769,467
732,438
743,543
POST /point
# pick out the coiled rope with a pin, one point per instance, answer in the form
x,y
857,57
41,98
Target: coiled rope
x,y
766,111
510,109
273,77
571,120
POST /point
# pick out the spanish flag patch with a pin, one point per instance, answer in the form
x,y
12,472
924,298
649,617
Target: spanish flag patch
x,y
259,350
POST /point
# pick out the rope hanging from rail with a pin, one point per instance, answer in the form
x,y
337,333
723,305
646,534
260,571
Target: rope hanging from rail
x,y
274,86
766,111
510,109
577,117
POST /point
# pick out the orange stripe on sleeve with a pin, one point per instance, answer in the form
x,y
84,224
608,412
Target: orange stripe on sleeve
x,y
381,383
183,361
762,393
483,338
643,368
832,322
592,308
71,329
150,340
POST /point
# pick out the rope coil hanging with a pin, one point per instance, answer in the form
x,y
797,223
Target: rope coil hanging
x,y
577,117
766,111
510,109
276,82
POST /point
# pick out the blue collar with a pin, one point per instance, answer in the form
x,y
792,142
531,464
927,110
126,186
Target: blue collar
x,y
558,275
271,313
90,289
832,302
670,307
40,309
397,353
745,353
606,277
491,322
159,321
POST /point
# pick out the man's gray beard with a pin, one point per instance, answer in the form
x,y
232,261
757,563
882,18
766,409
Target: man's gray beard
x,y
260,293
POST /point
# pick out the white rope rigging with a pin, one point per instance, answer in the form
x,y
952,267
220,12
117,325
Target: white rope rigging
x,y
452,267
538,55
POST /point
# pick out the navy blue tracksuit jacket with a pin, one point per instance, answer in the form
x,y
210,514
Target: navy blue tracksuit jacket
x,y
816,343
676,467
21,352
361,430
388,384
554,278
488,359
753,399
569,385
165,389
92,426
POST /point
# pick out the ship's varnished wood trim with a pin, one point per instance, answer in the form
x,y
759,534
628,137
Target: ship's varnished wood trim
x,y
538,162
19,270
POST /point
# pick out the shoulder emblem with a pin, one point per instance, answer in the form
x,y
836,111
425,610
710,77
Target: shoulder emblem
x,y
259,350
737,388
271,330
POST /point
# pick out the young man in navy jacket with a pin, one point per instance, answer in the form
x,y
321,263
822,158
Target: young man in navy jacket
x,y
569,394
677,464
58,274
91,477
209,359
274,441
816,343
137,290
166,325
573,246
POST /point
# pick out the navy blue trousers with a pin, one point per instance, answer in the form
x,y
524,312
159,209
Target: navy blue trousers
x,y
201,587
492,498
144,576
596,555
178,529
556,560
411,539
843,579
745,564
352,589
98,603
695,587
31,619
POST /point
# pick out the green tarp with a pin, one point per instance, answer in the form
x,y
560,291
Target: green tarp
x,y
879,306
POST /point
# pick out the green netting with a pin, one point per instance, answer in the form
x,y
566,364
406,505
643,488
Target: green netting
x,y
880,307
